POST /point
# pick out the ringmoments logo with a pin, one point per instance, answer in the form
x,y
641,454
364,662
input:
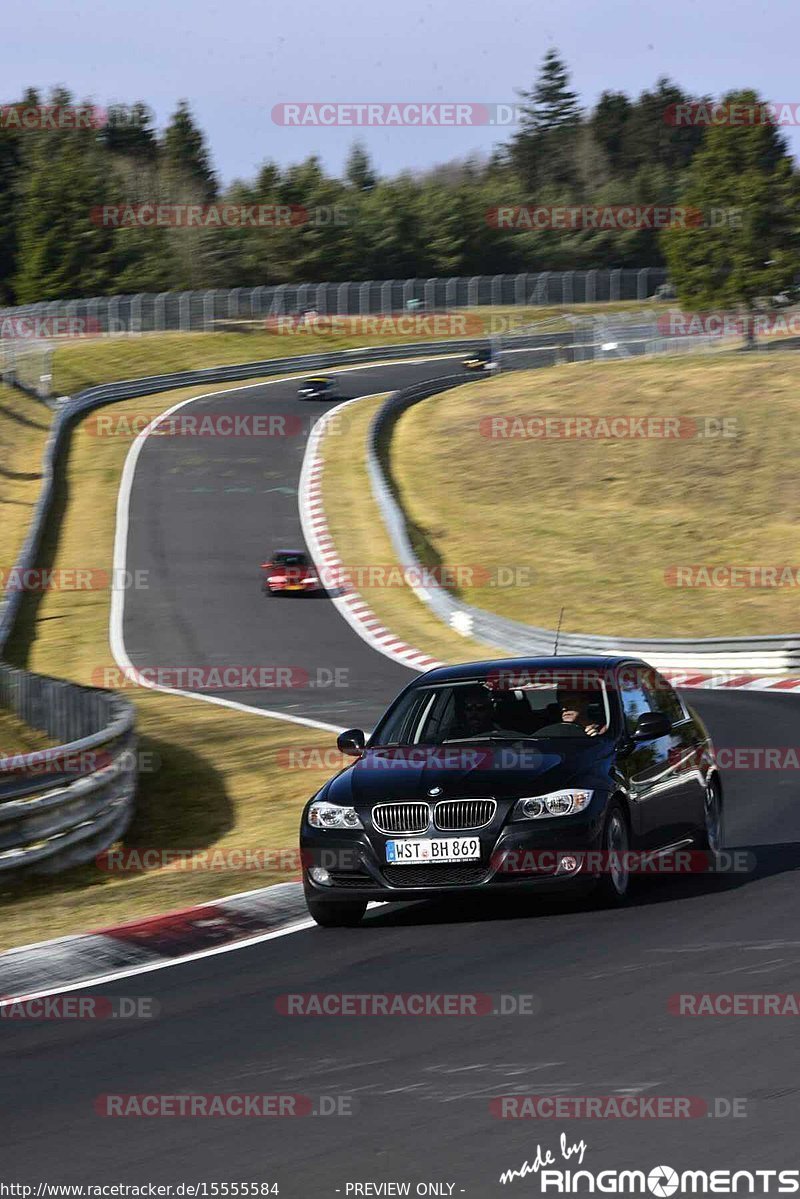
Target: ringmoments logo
x,y
663,1181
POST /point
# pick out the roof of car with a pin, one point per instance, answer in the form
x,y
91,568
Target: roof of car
x,y
318,379
303,552
468,670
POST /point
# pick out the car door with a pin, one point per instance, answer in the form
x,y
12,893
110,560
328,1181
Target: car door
x,y
651,779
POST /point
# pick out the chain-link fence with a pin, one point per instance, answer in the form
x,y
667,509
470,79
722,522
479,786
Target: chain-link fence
x,y
595,337
205,311
28,363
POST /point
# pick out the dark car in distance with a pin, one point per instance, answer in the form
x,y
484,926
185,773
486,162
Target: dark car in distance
x,y
321,387
480,360
513,774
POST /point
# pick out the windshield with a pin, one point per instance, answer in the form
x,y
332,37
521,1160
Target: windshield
x,y
474,710
290,560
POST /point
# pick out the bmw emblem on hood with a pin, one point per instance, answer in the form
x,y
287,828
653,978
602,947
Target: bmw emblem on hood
x,y
435,791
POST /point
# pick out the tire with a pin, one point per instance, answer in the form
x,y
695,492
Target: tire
x,y
329,914
612,888
710,838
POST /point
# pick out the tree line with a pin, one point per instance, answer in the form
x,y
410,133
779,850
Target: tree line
x,y
361,225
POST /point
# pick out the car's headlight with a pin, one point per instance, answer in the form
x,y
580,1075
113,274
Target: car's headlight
x,y
311,579
331,815
555,803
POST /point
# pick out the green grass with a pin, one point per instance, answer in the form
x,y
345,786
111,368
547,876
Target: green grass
x,y
24,424
17,738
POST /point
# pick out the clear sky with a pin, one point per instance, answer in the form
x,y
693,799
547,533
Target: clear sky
x,y
233,61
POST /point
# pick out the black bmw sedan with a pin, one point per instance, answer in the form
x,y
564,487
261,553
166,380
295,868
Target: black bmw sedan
x,y
516,773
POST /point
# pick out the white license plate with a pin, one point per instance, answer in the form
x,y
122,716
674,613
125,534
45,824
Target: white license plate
x,y
448,849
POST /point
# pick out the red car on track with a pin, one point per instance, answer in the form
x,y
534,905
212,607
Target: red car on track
x,y
290,570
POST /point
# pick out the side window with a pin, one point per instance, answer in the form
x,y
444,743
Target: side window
x,y
634,697
664,699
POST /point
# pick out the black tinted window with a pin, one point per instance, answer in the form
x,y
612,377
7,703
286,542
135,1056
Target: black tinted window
x,y
664,699
635,697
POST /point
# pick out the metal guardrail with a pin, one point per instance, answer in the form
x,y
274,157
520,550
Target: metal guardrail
x,y
201,311
775,654
59,807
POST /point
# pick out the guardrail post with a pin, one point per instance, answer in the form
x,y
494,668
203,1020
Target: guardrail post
x,y
277,305
364,294
160,312
136,313
93,317
113,316
185,311
208,311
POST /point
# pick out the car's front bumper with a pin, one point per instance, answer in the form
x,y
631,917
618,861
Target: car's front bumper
x,y
523,855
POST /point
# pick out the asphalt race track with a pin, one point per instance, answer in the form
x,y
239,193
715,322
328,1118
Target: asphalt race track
x,y
205,512
202,518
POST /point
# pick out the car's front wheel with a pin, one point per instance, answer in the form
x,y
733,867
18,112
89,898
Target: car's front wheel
x,y
613,884
711,837
330,914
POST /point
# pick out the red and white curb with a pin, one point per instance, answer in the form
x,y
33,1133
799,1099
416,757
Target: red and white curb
x,y
350,603
140,947
730,681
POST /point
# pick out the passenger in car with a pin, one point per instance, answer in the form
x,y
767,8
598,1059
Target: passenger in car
x,y
578,707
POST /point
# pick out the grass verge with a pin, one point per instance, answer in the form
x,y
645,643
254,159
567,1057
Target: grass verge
x,y
596,525
17,738
24,425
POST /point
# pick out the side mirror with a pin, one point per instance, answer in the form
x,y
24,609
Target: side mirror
x,y
652,725
351,742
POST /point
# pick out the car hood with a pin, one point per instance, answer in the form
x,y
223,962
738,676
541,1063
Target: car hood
x,y
501,771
